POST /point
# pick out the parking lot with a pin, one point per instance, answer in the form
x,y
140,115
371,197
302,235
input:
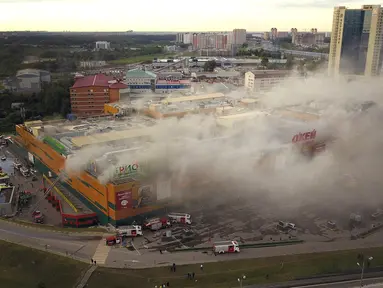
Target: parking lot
x,y
256,220
36,201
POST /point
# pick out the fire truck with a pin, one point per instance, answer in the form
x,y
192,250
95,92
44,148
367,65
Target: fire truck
x,y
226,247
155,224
129,231
183,218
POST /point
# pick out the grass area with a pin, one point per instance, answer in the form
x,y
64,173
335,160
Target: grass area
x,y
225,274
55,228
132,60
25,267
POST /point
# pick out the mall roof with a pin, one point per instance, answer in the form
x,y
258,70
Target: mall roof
x,y
194,98
299,115
109,137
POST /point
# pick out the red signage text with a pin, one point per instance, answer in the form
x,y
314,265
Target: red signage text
x,y
304,136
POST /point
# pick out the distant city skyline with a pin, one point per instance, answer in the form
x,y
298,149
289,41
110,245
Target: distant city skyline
x,y
154,16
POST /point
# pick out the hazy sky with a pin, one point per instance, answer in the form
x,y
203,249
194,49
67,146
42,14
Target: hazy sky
x,y
170,15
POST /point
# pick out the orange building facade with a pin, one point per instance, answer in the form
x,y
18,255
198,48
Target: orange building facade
x,y
113,203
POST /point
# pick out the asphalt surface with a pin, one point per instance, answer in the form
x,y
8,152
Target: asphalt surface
x,y
81,247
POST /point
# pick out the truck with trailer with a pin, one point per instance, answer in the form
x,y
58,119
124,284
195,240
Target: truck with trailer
x,y
223,247
183,218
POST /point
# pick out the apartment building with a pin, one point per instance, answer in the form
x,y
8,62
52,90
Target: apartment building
x,y
89,94
356,41
312,38
274,33
213,40
239,36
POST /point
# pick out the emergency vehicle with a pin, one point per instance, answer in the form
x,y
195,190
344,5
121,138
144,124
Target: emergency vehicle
x,y
112,240
180,218
129,231
155,224
226,247
38,217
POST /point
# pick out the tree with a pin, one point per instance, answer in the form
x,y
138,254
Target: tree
x,y
210,66
264,61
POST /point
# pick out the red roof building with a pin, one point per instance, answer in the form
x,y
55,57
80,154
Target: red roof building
x,y
89,94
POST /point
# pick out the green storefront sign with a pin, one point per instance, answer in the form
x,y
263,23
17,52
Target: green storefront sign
x,y
126,171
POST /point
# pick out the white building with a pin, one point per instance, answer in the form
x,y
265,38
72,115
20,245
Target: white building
x,y
102,45
264,80
92,64
31,79
188,38
140,81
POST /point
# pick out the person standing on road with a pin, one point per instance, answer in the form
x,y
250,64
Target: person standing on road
x,y
174,267
201,267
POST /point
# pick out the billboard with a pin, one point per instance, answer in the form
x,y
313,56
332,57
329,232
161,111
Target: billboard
x,y
146,196
124,200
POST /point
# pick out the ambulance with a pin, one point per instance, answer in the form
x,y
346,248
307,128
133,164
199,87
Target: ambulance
x,y
180,218
129,231
226,247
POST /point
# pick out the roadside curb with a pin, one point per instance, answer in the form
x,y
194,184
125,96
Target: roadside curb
x,y
91,233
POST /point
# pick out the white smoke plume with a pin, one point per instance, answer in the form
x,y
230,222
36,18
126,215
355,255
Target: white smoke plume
x,y
255,159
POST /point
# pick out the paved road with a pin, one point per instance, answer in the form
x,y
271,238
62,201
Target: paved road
x,y
145,258
78,246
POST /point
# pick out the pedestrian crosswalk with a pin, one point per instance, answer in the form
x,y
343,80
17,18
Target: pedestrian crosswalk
x,y
102,252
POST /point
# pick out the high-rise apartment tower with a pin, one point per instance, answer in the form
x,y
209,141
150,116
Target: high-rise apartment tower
x,y
356,41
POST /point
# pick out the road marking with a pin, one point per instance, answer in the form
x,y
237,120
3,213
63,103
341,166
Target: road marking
x,y
182,244
135,248
101,253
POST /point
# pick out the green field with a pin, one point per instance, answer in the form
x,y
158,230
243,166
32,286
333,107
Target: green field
x,y
138,59
22,267
225,274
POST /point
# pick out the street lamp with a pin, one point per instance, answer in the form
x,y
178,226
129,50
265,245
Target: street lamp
x,y
240,280
362,265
